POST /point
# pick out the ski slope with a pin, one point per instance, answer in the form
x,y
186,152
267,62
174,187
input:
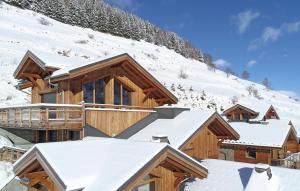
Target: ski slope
x,y
21,30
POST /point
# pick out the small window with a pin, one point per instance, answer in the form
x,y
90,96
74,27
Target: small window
x,y
147,184
237,117
117,93
41,137
251,153
126,96
246,117
15,156
74,135
88,89
100,91
52,136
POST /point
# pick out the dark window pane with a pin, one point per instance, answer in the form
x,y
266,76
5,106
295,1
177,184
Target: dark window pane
x,y
74,135
52,136
251,153
100,91
88,92
236,116
117,93
49,98
126,96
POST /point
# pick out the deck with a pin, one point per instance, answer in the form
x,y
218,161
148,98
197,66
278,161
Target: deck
x,y
42,116
111,119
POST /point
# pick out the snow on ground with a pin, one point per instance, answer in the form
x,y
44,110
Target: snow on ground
x,y
21,30
6,172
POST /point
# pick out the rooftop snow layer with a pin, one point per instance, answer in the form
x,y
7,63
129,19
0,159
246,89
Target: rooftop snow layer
x,y
178,129
235,176
259,134
84,166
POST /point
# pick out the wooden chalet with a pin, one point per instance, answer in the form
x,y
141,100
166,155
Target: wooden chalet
x,y
199,134
240,112
132,166
268,143
107,96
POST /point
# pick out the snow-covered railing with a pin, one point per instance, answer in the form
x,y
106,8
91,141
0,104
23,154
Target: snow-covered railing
x,y
42,116
291,161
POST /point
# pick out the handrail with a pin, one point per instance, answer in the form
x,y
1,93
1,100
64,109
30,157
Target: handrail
x,y
42,105
115,106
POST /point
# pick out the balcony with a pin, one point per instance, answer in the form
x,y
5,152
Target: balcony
x,y
110,119
42,116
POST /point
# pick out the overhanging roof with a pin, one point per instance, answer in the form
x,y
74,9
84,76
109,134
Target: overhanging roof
x,y
102,164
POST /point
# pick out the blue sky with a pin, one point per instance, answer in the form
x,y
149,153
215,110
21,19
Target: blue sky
x,y
260,36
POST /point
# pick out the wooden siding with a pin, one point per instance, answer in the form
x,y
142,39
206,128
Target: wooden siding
x,y
113,122
204,145
165,179
73,92
240,111
262,156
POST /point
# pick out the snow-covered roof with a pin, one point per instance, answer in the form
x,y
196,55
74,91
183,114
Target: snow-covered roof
x,y
258,134
95,164
178,130
69,67
235,176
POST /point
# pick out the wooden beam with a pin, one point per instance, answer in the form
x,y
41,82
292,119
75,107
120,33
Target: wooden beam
x,y
31,75
151,89
146,96
25,85
33,81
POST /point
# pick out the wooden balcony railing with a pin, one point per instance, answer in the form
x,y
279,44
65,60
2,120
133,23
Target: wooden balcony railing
x,y
111,119
43,116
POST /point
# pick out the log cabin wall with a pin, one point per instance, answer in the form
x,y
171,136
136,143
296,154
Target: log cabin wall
x,y
262,156
204,145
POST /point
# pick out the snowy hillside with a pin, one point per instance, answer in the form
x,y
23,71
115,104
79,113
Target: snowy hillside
x,y
198,87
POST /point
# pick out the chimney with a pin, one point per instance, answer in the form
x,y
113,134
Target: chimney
x,y
161,138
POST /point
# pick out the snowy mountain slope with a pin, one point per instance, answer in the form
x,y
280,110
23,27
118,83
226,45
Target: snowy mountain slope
x,y
21,30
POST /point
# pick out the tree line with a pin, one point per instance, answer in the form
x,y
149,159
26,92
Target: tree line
x,y
100,16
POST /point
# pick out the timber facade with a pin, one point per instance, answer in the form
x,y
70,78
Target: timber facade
x,y
255,152
109,96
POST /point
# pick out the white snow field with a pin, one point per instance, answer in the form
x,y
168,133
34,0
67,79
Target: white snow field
x,y
20,30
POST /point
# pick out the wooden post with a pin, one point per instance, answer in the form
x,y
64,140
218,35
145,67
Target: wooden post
x,y
47,118
65,117
30,118
83,119
21,123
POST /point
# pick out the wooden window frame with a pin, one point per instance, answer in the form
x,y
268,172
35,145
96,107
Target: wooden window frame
x,y
122,85
94,88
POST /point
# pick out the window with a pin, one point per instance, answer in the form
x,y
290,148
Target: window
x,y
122,94
147,184
41,136
251,153
246,117
49,98
88,91
52,136
126,96
74,135
117,93
100,91
236,116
